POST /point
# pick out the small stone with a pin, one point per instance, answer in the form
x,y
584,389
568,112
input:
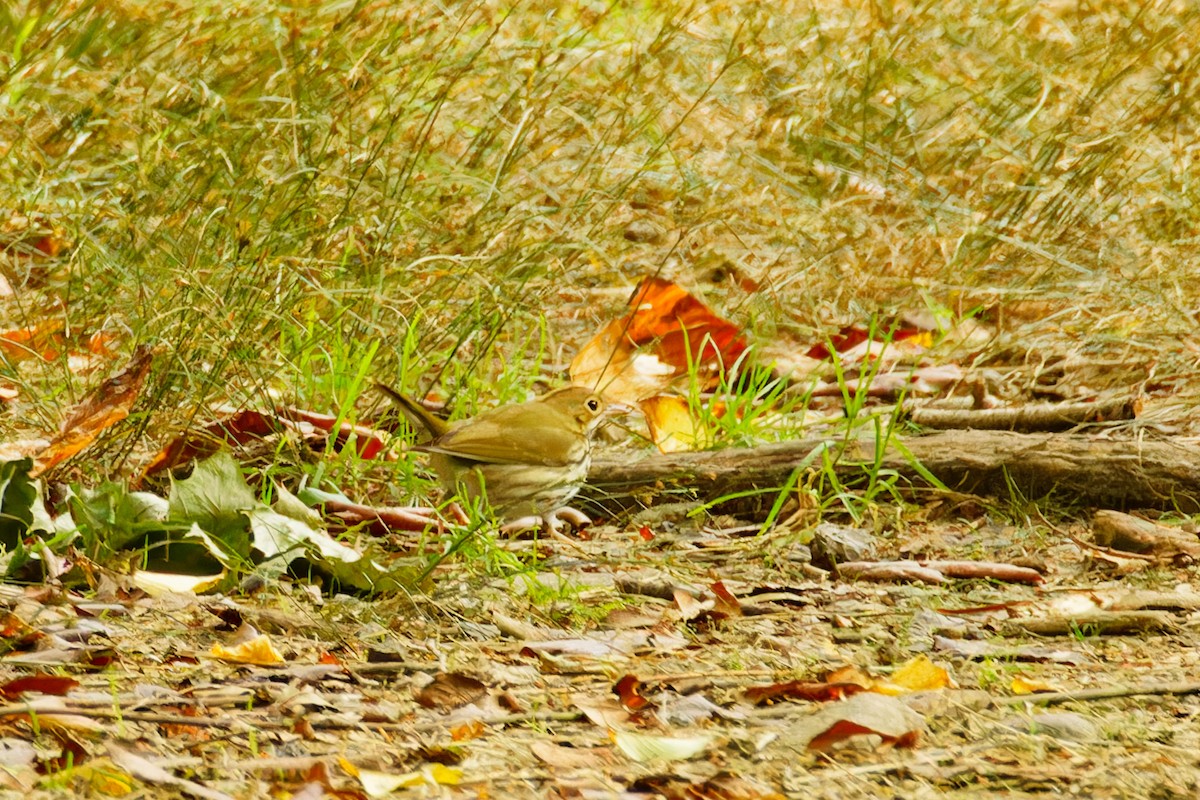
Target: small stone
x,y
836,544
643,231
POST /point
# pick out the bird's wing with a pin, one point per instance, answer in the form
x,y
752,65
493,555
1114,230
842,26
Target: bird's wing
x,y
492,442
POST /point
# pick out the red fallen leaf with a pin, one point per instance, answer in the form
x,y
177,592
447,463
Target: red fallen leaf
x,y
627,690
852,336
847,337
247,425
238,428
329,658
867,713
646,534
39,682
844,729
450,690
670,326
726,604
812,691
104,406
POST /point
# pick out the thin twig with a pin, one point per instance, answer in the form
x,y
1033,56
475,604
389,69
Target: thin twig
x,y
1052,698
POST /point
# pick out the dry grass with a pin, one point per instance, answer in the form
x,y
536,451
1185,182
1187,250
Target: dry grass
x,y
314,178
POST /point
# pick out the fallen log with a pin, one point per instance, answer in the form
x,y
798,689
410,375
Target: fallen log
x,y
1106,473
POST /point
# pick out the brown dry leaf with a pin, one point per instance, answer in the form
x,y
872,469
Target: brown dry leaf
x,y
666,331
451,690
865,713
55,715
626,618
259,651
689,607
105,406
813,691
606,712
573,758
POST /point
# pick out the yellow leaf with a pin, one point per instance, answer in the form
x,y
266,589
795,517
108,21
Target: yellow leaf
x,y
1022,685
919,674
672,427
258,650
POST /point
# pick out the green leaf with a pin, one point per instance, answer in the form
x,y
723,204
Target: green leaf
x,y
19,495
112,518
217,500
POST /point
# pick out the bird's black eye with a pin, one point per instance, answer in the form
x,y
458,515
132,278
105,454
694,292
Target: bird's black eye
x,y
593,404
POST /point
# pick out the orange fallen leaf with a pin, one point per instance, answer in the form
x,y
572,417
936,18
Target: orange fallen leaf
x,y
39,341
471,729
104,406
628,691
666,331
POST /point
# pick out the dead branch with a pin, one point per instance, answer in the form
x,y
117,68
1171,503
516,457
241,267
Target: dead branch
x,y
1008,573
1029,418
1050,698
889,571
1095,623
1108,473
936,571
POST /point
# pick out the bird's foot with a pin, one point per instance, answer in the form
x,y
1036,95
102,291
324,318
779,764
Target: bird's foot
x,y
551,521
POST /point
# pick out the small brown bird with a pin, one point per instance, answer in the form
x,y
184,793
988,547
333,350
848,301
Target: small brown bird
x,y
528,460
